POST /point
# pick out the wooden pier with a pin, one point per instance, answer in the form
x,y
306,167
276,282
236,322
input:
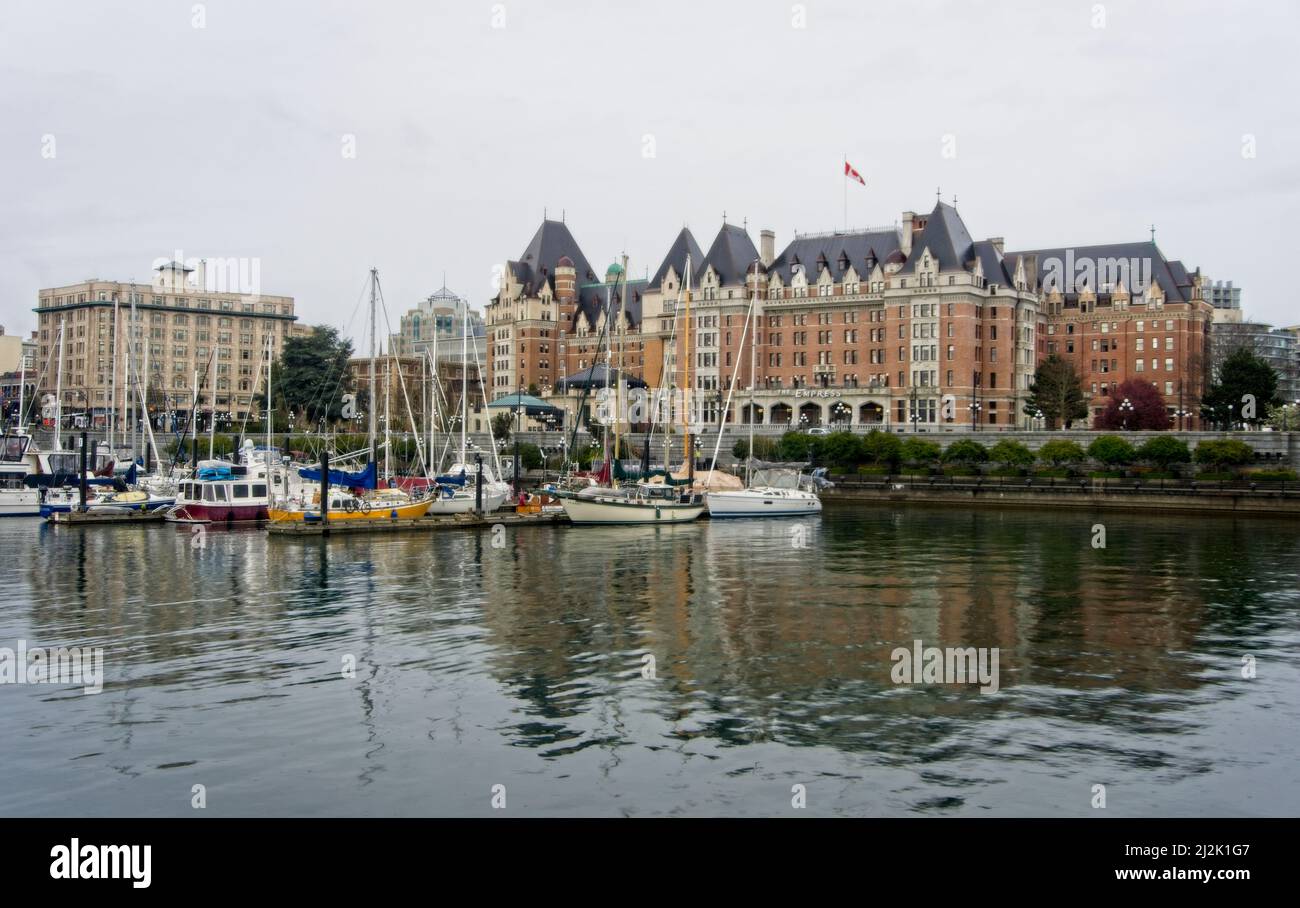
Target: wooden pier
x,y
106,518
419,524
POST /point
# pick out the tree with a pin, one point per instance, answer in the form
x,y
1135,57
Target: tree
x,y
1164,451
1224,452
965,451
841,449
1061,451
1111,451
1011,454
530,456
311,375
797,446
882,448
1147,408
920,451
1246,389
1057,391
502,424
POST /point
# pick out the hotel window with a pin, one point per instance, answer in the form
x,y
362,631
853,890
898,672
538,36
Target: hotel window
x,y
948,378
1141,327
952,352
1169,324
1140,342
1169,364
1169,343
1138,366
1169,387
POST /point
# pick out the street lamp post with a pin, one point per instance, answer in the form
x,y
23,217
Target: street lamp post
x,y
975,416
1125,409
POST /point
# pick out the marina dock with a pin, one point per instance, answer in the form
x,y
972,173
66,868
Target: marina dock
x,y
421,524
106,518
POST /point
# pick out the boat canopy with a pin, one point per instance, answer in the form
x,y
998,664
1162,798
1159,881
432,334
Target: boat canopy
x,y
364,479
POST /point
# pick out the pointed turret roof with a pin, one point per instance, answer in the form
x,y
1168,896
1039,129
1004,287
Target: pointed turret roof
x,y
676,257
730,255
549,244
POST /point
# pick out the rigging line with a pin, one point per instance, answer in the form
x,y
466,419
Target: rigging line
x,y
401,379
346,332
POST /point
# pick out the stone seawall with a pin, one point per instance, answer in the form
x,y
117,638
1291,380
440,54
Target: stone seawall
x,y
1236,502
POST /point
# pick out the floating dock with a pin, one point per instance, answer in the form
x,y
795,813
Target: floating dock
x,y
419,524
106,518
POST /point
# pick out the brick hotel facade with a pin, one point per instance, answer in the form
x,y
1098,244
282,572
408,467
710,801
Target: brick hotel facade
x,y
877,326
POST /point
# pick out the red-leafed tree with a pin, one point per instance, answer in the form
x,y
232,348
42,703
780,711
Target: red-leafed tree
x,y
1145,410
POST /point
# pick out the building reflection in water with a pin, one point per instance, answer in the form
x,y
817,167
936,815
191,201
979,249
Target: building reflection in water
x,y
759,631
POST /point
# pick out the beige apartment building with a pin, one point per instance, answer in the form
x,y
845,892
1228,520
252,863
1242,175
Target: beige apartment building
x,y
180,333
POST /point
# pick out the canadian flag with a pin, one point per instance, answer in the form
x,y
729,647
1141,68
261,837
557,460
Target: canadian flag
x,y
850,172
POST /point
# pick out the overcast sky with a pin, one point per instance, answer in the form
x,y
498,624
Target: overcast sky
x,y
1063,123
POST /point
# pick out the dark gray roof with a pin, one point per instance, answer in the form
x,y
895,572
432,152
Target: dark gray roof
x,y
730,255
997,269
592,299
838,251
947,238
1162,272
676,258
597,376
549,244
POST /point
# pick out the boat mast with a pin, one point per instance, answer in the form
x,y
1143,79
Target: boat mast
x,y
212,406
131,370
374,283
753,376
464,376
58,391
270,478
619,387
388,393
112,385
688,398
22,387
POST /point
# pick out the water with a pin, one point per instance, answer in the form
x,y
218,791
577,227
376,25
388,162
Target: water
x,y
523,666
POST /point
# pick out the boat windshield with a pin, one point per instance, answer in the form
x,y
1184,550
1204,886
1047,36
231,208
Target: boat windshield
x,y
774,478
15,446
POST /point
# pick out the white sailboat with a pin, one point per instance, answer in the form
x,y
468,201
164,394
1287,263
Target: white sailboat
x,y
642,502
769,493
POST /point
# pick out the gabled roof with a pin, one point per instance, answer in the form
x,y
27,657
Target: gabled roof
x,y
592,301
855,247
676,258
947,238
549,244
730,255
1163,272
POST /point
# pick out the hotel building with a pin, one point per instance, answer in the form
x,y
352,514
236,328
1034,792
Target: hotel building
x,y
180,330
917,324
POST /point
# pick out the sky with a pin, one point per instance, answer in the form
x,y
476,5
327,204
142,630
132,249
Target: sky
x,y
320,139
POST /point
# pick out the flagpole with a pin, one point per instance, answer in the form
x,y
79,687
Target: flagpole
x,y
846,193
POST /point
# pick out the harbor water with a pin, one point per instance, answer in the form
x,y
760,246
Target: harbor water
x,y
718,668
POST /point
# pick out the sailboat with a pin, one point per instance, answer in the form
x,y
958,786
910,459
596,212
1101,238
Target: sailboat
x,y
776,491
457,491
341,504
642,502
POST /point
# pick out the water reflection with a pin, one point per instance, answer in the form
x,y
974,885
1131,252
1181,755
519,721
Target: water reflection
x,y
766,638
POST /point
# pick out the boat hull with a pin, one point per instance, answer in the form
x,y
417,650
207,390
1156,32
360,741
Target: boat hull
x,y
411,511
20,503
762,503
196,512
598,511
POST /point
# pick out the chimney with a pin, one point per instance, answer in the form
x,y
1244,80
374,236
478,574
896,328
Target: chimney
x,y
905,241
766,247
997,242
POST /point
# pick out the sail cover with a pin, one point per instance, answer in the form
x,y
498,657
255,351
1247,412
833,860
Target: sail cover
x,y
365,479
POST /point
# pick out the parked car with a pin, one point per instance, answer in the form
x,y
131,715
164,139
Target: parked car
x,y
819,430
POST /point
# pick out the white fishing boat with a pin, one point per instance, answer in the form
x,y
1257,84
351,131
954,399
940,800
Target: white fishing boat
x,y
16,498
